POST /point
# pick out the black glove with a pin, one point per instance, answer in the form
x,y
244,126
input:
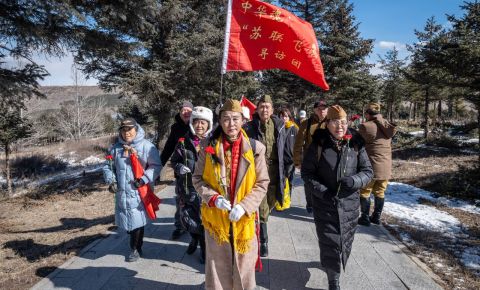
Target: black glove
x,y
112,187
138,183
347,183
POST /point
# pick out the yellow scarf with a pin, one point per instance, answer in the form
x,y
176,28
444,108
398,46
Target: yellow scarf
x,y
290,123
216,221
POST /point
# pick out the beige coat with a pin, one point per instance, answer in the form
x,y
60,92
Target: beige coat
x,y
304,138
378,135
225,269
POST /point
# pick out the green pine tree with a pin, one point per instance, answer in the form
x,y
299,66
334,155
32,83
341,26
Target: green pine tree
x,y
393,81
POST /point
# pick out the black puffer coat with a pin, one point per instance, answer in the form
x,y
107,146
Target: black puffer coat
x,y
335,214
190,201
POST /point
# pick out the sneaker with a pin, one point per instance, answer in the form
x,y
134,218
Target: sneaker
x,y
134,256
177,233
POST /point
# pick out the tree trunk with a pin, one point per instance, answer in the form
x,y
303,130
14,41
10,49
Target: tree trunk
x,y
7,169
410,110
427,103
391,111
439,114
450,107
415,107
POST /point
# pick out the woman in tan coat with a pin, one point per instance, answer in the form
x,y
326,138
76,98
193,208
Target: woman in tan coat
x,y
231,177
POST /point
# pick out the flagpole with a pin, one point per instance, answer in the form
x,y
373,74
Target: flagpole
x,y
220,101
226,47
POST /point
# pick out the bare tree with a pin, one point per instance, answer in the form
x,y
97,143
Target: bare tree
x,y
81,119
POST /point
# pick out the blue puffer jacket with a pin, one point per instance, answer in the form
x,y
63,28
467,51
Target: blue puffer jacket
x,y
129,211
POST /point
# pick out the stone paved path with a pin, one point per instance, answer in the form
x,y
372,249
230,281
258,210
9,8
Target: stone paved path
x,y
377,260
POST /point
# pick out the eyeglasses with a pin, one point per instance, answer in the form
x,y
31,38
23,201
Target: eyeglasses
x,y
234,120
339,122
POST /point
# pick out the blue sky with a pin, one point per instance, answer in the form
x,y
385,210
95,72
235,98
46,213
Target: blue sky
x,y
392,22
389,22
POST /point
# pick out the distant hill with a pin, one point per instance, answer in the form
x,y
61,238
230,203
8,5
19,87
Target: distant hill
x,y
56,95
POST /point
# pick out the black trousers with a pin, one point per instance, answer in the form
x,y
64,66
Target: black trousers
x,y
136,238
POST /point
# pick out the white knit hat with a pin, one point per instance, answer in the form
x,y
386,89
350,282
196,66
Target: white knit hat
x,y
202,113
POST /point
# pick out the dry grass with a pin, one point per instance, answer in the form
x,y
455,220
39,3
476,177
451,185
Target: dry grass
x,y
448,172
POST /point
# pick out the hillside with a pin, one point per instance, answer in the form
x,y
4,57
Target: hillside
x,y
56,95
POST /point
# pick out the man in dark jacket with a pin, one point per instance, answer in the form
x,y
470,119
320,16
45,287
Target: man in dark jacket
x,y
304,138
177,130
270,131
335,168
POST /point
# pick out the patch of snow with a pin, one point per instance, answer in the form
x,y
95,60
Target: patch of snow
x,y
417,133
402,202
432,148
471,258
469,141
458,204
91,160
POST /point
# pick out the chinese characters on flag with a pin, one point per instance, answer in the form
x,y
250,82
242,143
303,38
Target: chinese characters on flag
x,y
262,36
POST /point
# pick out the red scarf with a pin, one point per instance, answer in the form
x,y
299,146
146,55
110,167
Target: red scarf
x,y
235,149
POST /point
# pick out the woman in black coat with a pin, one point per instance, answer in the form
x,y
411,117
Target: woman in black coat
x,y
335,167
183,161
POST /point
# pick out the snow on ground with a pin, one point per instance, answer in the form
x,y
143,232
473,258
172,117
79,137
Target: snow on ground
x,y
403,202
91,160
72,160
469,141
417,133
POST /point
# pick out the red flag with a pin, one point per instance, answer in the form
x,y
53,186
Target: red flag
x,y
262,36
149,199
244,102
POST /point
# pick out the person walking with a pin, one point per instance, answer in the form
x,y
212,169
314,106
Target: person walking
x,y
335,168
183,162
270,131
130,213
231,177
304,138
177,130
291,130
378,134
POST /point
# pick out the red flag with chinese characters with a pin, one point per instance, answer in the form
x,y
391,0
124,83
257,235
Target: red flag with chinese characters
x,y
244,102
262,36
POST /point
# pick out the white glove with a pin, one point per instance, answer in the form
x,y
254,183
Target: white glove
x,y
222,203
184,170
236,213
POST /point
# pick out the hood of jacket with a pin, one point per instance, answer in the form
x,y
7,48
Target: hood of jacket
x,y
139,138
